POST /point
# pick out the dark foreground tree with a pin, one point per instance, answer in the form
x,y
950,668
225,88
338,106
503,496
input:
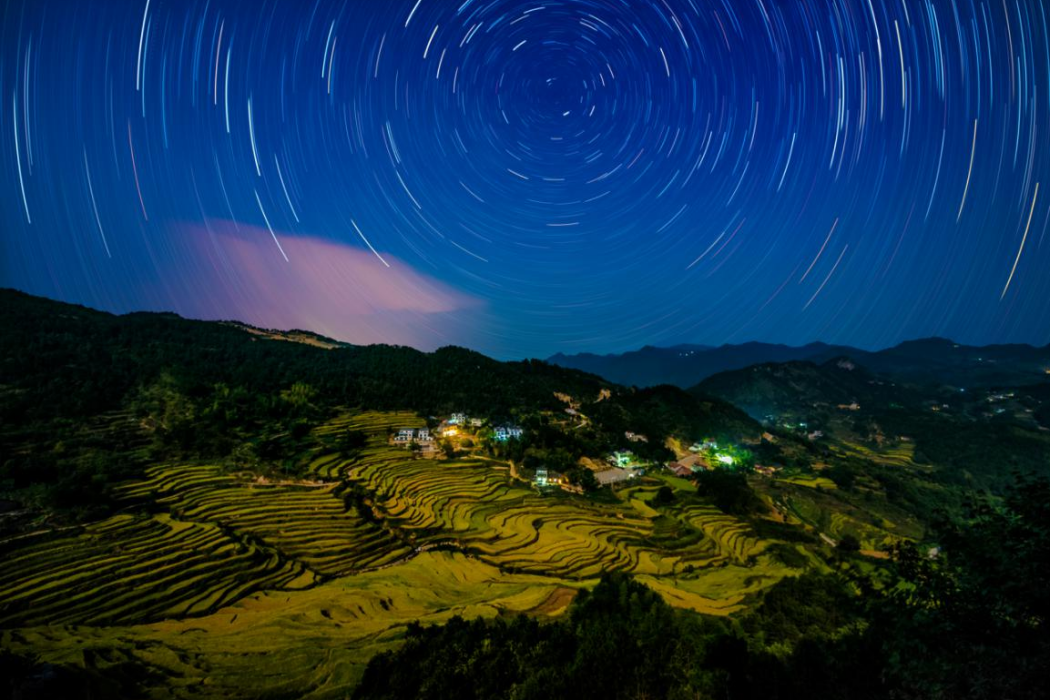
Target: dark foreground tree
x,y
970,620
622,641
729,491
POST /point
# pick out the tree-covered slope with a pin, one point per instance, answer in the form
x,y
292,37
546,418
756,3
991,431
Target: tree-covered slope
x,y
88,397
801,386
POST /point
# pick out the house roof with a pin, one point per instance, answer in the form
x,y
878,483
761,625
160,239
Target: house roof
x,y
612,476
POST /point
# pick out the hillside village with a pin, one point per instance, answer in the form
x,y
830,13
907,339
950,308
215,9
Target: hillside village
x,y
459,434
238,500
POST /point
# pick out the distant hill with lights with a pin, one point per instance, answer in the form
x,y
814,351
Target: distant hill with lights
x,y
800,387
926,361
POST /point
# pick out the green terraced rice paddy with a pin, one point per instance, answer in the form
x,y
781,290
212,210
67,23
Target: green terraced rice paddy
x,y
229,568
813,482
129,569
733,538
309,523
900,455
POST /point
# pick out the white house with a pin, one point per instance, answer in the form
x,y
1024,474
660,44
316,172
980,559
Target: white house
x,y
506,432
407,435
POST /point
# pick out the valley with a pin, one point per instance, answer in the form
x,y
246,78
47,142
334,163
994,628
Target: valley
x,y
196,509
218,574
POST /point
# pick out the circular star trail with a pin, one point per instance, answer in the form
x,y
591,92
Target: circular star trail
x,y
527,177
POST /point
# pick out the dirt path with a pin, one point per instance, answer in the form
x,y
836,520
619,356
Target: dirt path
x,y
556,602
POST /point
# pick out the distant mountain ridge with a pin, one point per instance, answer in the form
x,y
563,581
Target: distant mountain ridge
x,y
687,365
928,360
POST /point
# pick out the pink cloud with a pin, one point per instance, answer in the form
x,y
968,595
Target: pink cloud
x,y
339,290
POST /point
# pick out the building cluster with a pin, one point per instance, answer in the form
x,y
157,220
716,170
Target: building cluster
x,y
420,436
548,477
710,455
462,419
453,426
623,465
710,459
507,432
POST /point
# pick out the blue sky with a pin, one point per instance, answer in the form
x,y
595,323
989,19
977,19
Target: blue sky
x,y
527,178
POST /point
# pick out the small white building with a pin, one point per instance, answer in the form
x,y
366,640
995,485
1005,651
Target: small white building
x,y
507,432
405,436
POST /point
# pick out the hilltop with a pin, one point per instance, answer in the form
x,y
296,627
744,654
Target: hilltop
x,y
805,387
198,389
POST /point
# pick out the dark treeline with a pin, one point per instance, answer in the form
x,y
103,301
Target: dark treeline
x,y
70,361
621,640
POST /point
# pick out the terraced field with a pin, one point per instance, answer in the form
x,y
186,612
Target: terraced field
x,y
479,510
733,538
900,455
813,482
217,569
375,425
306,644
307,522
129,569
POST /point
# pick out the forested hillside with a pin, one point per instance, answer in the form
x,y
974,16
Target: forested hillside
x,y
88,398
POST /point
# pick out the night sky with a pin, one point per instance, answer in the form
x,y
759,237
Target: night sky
x,y
532,176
